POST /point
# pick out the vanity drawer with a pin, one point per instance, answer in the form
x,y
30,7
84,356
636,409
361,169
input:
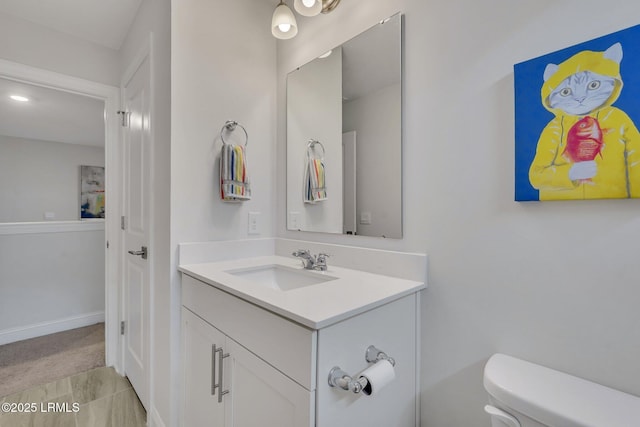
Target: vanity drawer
x,y
285,345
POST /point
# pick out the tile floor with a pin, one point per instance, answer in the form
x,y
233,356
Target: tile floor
x,y
96,398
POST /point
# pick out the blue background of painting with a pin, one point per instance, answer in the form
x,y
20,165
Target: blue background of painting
x,y
531,117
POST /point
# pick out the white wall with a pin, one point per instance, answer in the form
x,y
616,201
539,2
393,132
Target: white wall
x,y
153,22
42,176
377,120
314,111
222,68
50,280
554,283
31,44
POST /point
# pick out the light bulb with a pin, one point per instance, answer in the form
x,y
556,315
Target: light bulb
x,y
308,7
284,27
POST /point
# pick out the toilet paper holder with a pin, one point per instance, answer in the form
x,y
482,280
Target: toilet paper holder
x,y
341,379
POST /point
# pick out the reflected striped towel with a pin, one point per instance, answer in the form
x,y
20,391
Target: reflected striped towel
x,y
314,180
234,180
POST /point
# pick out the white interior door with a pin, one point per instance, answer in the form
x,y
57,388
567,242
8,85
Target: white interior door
x,y
349,182
137,219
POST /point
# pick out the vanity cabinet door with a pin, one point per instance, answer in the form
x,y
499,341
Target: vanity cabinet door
x,y
260,395
200,408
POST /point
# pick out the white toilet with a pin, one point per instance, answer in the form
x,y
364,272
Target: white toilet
x,y
522,394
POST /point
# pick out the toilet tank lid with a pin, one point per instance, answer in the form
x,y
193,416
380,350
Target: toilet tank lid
x,y
554,398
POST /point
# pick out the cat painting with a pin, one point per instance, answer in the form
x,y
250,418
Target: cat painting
x,y
590,149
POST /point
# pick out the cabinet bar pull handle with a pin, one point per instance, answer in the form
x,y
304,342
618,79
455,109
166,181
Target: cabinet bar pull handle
x,y
213,370
221,356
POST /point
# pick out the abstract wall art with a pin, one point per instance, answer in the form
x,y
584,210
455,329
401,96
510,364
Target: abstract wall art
x,y
92,192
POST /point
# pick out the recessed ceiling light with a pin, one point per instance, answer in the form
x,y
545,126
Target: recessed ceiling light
x,y
19,98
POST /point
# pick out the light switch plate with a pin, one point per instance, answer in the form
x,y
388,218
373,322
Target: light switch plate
x,y
294,220
365,218
254,223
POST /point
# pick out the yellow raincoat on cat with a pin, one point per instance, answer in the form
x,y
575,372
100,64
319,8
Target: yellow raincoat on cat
x,y
618,164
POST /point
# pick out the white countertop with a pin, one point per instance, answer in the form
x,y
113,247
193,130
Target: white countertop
x,y
317,306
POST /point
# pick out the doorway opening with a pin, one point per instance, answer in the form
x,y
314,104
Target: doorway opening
x,y
62,227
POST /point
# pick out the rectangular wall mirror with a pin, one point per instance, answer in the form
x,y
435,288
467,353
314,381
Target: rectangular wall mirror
x,y
344,137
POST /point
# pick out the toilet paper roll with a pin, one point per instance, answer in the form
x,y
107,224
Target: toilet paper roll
x,y
378,376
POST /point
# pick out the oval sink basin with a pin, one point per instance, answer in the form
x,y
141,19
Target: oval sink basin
x,y
280,277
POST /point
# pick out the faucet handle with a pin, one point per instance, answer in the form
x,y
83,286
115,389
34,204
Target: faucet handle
x,y
321,262
301,252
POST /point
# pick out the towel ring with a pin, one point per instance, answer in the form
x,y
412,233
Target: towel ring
x,y
313,142
230,126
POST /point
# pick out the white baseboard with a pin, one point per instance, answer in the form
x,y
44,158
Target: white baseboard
x,y
153,418
45,328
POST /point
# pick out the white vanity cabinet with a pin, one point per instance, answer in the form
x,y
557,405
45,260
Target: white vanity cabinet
x,y
255,393
277,368
250,392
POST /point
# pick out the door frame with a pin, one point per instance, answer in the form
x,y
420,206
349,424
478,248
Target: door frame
x,y
110,95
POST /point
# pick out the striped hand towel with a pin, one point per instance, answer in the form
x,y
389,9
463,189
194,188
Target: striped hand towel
x,y
234,180
314,180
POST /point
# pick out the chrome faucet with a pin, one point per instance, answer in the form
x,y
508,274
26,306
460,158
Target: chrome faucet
x,y
308,260
311,262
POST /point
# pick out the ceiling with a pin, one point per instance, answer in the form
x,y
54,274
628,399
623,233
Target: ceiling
x,y
50,115
54,115
104,22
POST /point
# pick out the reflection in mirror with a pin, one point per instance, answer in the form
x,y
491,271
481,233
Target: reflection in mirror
x,y
349,99
43,143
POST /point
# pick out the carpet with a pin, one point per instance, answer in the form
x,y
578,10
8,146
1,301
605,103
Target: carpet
x,y
41,360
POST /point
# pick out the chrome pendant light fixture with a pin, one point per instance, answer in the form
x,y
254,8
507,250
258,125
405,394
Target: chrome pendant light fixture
x,y
329,5
283,23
